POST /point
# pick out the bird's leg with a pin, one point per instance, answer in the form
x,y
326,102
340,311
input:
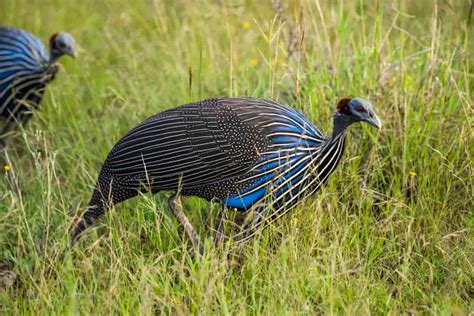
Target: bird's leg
x,y
219,228
174,203
249,225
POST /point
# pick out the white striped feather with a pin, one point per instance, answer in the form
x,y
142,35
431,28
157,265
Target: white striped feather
x,y
283,109
24,41
21,83
279,176
335,150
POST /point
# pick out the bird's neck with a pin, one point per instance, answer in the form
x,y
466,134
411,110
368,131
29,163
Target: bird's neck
x,y
53,58
54,55
341,123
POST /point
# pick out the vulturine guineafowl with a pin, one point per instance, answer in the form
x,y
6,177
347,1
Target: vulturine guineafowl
x,y
245,153
25,70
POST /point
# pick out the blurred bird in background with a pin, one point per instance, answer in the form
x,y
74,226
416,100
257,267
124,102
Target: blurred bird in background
x,y
26,68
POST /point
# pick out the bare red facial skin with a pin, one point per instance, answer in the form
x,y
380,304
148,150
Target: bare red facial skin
x,y
343,105
360,109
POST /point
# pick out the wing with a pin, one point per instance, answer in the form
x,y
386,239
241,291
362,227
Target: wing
x,y
23,61
189,146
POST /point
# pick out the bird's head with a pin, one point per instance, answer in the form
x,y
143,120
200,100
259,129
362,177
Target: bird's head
x,y
358,110
62,44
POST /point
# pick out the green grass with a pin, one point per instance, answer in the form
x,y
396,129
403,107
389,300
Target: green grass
x,y
391,232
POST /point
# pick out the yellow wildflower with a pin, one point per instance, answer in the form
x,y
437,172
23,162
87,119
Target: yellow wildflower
x,y
253,62
6,168
246,25
412,173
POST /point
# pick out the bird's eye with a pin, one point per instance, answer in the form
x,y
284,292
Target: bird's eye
x,y
360,109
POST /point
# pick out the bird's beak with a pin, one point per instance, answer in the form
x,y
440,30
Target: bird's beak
x,y
73,54
375,121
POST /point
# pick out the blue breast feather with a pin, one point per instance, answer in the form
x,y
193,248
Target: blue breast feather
x,y
21,55
281,168
21,49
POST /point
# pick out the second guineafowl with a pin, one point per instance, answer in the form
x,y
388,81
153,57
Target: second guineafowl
x,y
26,68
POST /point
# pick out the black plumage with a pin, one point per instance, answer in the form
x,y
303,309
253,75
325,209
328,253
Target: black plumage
x,y
239,151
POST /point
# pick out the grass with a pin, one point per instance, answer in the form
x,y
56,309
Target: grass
x,y
391,232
